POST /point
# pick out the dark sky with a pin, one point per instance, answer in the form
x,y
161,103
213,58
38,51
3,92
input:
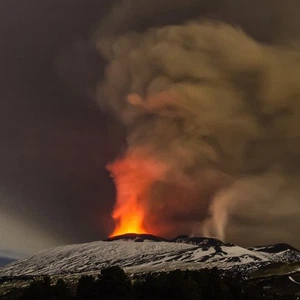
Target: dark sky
x,y
55,142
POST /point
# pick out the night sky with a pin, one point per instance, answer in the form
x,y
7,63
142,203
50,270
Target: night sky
x,y
55,141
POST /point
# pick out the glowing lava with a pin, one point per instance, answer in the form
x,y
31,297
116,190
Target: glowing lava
x,y
133,178
129,218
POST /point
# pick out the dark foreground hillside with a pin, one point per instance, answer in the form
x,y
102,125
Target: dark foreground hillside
x,y
113,283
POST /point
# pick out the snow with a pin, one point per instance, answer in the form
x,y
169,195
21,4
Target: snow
x,y
293,280
137,257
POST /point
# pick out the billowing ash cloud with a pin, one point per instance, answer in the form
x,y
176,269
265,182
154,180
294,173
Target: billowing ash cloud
x,y
213,122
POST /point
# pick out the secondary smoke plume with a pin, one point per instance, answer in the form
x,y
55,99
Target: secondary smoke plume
x,y
213,122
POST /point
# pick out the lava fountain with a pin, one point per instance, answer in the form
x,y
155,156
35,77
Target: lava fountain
x,y
133,177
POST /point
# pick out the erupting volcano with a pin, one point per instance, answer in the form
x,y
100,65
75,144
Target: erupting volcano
x,y
133,176
212,128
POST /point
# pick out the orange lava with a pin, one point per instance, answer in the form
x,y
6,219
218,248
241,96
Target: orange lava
x,y
133,178
129,218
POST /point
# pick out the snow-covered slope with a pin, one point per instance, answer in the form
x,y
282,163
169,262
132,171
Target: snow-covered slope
x,y
279,252
144,253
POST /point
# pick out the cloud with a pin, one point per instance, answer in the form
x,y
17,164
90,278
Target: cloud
x,y
218,108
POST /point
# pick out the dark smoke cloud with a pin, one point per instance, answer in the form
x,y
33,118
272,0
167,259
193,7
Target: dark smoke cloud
x,y
217,104
267,20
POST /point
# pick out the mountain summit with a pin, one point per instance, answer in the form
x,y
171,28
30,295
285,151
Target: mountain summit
x,y
136,237
139,253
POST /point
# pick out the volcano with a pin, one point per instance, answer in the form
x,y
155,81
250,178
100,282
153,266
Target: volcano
x,y
136,237
142,253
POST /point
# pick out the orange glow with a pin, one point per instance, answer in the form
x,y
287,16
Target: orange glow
x,y
129,218
133,178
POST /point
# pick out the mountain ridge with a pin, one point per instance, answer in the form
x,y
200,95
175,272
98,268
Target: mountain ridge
x,y
140,253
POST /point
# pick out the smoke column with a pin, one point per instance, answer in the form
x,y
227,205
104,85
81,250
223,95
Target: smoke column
x,y
212,118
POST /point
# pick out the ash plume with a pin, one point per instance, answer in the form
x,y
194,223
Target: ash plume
x,y
212,110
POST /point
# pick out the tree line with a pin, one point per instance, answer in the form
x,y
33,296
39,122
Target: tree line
x,y
113,284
